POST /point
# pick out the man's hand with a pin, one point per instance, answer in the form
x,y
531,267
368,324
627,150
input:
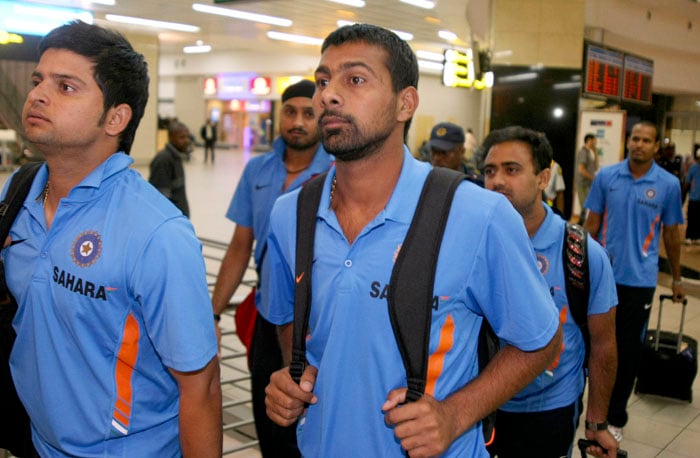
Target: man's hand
x,y
285,401
606,441
425,428
678,292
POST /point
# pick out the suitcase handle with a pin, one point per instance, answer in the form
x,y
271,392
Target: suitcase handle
x,y
583,444
657,338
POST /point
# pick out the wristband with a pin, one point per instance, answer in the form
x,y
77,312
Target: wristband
x,y
217,317
596,426
678,282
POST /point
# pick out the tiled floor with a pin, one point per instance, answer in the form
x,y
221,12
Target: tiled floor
x,y
658,427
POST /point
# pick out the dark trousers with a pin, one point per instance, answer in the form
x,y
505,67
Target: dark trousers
x,y
632,317
547,434
209,146
266,358
692,230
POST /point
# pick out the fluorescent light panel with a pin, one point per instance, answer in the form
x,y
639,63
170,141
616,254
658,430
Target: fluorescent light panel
x,y
235,14
196,49
152,23
429,55
447,35
357,3
428,5
301,39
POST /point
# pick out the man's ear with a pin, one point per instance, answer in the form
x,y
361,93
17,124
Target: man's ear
x,y
117,119
407,103
543,179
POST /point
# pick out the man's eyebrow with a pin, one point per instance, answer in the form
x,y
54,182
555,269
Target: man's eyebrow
x,y
58,76
346,66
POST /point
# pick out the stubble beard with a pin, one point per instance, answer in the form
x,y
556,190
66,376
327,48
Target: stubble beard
x,y
351,144
301,144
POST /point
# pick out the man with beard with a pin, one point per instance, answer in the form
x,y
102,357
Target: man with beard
x,y
630,204
541,420
297,155
351,395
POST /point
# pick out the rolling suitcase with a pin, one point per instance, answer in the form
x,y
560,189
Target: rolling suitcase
x,y
669,361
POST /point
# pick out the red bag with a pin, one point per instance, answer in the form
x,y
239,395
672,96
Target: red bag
x,y
246,314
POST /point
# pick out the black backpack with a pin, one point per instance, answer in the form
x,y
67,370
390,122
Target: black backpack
x,y
418,259
410,293
15,433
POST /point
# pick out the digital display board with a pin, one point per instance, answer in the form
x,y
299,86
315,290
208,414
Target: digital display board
x,y
616,75
603,67
639,73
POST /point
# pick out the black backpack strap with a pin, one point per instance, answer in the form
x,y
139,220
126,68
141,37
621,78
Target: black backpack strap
x,y
15,196
577,277
412,280
307,208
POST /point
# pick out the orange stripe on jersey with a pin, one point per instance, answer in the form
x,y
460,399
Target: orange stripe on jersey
x,y
562,321
126,360
650,236
436,361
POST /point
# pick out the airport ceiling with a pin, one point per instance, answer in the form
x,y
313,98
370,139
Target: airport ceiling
x,y
317,18
312,18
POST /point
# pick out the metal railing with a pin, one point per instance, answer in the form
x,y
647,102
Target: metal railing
x,y
239,426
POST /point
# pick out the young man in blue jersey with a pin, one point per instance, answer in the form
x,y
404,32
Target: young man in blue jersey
x,y
630,204
297,155
115,352
541,420
355,384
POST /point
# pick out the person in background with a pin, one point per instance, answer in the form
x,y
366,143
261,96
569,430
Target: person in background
x,y
586,168
350,401
209,135
632,205
692,230
115,352
541,420
167,173
671,162
554,192
447,150
297,155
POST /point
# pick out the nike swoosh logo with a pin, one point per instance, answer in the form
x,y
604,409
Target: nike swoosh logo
x,y
647,306
258,187
299,277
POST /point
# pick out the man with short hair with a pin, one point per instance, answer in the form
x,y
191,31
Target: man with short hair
x,y
541,420
586,168
350,401
297,155
447,150
630,204
167,171
209,135
115,352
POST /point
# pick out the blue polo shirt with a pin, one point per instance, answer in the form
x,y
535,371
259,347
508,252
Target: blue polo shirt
x,y
632,213
693,177
486,267
562,383
110,297
260,185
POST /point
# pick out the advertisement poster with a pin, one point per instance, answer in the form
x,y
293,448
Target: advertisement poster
x,y
609,129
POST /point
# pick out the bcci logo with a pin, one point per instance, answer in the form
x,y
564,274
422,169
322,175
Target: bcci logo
x,y
86,249
650,193
542,263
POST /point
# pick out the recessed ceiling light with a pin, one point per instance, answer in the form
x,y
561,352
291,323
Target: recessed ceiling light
x,y
428,5
357,3
152,23
447,35
196,49
228,12
301,39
